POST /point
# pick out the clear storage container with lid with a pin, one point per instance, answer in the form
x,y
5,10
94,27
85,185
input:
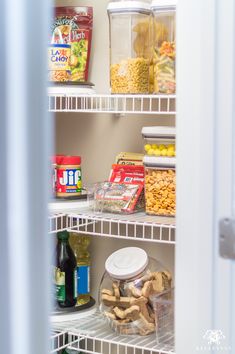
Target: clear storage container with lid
x,y
159,141
160,185
130,48
164,55
130,279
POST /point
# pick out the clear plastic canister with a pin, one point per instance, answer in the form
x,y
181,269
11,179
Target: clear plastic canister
x,y
163,305
130,49
164,56
160,186
159,141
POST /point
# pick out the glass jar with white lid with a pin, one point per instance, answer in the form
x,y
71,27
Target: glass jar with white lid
x,y
129,281
130,47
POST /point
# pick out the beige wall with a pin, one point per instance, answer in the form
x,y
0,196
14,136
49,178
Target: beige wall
x,y
98,138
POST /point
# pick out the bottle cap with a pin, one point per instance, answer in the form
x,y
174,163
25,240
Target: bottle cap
x,y
59,158
70,160
63,235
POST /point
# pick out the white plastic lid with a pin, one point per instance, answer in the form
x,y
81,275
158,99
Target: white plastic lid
x,y
127,5
159,132
126,263
153,161
163,3
71,90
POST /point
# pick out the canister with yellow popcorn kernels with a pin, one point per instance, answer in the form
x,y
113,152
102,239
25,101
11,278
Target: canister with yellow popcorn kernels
x,y
160,185
130,47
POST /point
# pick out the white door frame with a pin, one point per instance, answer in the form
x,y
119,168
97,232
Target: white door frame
x,y
224,274
205,91
24,135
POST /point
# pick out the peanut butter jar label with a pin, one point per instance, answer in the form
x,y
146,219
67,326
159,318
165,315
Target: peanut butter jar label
x,y
69,180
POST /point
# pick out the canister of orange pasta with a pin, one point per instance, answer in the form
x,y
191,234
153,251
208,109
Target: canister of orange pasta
x,y
69,177
58,62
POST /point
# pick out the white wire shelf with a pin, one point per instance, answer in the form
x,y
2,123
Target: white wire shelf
x,y
116,104
57,222
58,341
92,335
138,226
66,206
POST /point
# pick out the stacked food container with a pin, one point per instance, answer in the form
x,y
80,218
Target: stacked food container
x,y
160,173
130,47
142,46
164,50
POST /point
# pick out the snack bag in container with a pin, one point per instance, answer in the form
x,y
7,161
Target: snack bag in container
x,y
72,25
118,197
127,174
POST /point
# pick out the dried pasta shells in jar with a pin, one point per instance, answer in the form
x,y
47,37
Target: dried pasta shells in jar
x,y
130,76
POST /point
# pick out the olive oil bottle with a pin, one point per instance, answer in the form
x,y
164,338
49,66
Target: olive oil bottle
x,y
80,244
65,272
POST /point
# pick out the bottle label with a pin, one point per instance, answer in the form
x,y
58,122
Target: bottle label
x,y
83,280
75,276
60,284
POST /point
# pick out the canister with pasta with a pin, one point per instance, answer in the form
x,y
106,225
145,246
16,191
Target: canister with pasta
x,y
164,54
130,50
160,185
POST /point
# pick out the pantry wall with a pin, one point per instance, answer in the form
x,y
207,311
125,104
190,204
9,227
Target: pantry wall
x,y
98,138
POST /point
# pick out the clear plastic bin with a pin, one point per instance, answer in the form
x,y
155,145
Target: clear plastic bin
x,y
159,141
130,49
164,56
118,198
131,277
163,305
160,186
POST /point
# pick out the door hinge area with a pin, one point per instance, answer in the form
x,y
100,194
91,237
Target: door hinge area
x,y
227,238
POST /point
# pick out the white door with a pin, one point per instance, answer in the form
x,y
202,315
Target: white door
x,y
205,311
24,131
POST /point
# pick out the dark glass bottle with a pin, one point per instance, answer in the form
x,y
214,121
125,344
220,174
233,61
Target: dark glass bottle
x,y
65,272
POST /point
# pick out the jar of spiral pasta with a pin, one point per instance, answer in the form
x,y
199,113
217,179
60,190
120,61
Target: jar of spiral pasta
x,y
164,46
58,62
